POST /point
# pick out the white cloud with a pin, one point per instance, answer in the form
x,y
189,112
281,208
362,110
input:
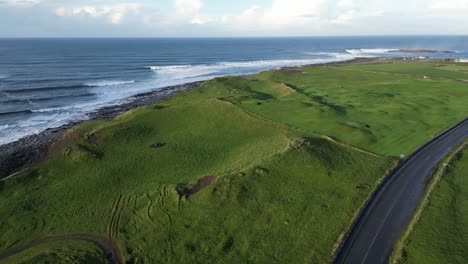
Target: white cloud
x,y
114,14
289,11
344,17
274,17
188,8
345,12
449,4
346,4
201,20
296,15
376,13
21,3
61,11
250,17
280,15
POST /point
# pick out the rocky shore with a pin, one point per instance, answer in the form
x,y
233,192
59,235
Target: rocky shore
x,y
31,150
422,51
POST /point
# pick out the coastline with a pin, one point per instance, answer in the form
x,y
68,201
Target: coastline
x,y
31,150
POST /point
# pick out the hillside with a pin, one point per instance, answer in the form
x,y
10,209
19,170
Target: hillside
x,y
265,168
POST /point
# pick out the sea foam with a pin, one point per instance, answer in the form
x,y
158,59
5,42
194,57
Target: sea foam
x,y
108,83
204,71
369,51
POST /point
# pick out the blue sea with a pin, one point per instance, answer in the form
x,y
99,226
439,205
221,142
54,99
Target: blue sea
x,y
46,83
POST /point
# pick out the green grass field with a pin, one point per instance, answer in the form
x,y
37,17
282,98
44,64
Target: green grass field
x,y
246,169
441,235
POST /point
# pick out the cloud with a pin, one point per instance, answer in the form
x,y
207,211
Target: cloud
x,y
188,8
21,3
296,15
449,4
189,11
201,20
114,14
281,14
266,18
344,17
345,4
293,11
250,17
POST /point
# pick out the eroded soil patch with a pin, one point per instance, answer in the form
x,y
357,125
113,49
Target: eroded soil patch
x,y
187,191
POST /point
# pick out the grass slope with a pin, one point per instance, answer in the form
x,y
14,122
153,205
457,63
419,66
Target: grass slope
x,y
441,235
61,252
373,106
291,208
430,70
277,190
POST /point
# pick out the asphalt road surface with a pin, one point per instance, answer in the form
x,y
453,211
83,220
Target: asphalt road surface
x,y
390,209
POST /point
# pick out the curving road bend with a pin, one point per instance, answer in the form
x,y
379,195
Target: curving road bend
x,y
112,252
389,211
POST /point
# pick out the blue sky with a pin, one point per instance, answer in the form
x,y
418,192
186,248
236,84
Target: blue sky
x,y
219,18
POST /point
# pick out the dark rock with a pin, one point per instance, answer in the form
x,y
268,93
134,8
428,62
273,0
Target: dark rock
x,y
158,145
28,151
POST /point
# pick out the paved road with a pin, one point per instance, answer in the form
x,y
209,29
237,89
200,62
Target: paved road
x,y
389,211
108,247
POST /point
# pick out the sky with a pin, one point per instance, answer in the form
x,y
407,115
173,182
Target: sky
x,y
233,18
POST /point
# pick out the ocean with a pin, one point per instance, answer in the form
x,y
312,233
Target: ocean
x,y
46,83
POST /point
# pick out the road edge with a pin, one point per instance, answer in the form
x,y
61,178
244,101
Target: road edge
x,y
348,239
437,173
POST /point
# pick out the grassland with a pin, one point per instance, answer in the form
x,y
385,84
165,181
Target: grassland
x,y
61,252
242,169
441,235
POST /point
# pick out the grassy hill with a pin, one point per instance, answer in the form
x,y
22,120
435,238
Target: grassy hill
x,y
265,168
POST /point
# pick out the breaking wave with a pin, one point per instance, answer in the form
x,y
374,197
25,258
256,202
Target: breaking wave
x,y
108,83
369,51
176,73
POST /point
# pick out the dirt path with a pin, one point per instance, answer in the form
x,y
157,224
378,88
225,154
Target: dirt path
x,y
111,250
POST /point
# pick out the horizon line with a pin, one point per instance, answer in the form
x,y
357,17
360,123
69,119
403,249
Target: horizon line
x,y
234,37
